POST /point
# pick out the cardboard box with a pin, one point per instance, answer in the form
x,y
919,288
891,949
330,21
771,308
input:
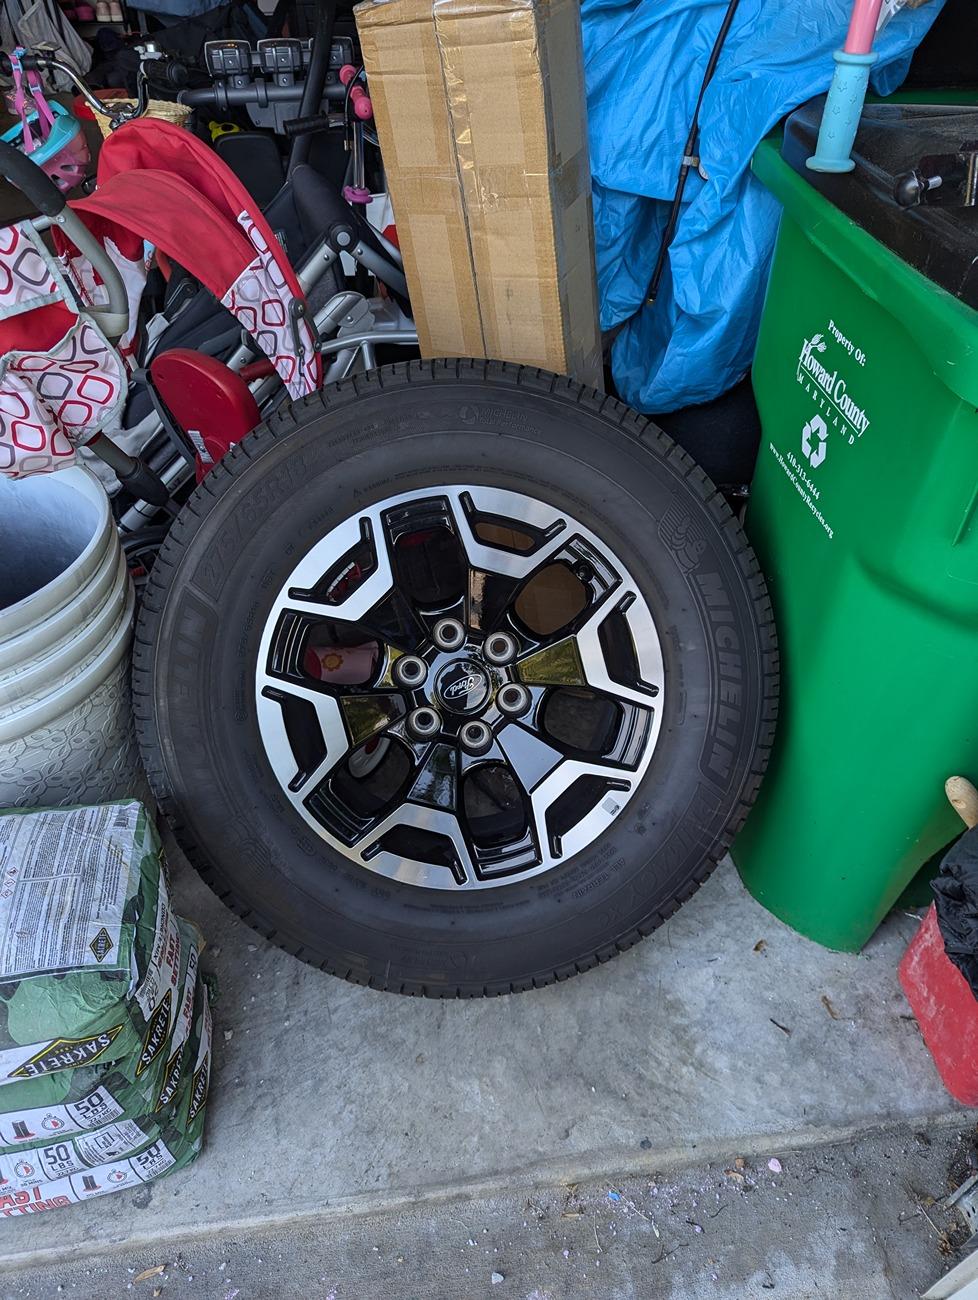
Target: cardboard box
x,y
480,111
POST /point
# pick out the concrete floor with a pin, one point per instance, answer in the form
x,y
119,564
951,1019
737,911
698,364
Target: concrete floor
x,y
849,1221
724,1034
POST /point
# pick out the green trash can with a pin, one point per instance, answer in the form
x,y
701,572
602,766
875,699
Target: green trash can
x,y
864,515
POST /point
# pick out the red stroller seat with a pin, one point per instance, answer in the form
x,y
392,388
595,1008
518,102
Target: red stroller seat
x,y
212,406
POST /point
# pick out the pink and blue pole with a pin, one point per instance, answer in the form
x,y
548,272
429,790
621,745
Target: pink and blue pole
x,y
847,94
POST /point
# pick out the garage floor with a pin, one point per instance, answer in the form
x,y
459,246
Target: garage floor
x,y
344,1120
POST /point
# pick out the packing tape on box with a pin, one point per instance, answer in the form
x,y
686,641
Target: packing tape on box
x,y
480,112
401,56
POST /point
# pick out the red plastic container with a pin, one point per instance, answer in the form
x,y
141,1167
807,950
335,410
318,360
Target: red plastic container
x,y
946,1009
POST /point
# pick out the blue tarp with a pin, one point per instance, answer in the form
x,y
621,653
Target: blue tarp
x,y
644,62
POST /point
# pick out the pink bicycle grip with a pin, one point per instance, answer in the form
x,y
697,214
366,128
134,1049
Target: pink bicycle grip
x,y
862,26
362,106
347,73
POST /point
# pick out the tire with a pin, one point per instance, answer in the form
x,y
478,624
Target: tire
x,y
206,628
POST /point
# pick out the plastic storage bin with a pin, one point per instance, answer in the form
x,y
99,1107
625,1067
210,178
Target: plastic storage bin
x,y
864,514
66,610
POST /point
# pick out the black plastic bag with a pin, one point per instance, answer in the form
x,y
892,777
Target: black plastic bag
x,y
956,899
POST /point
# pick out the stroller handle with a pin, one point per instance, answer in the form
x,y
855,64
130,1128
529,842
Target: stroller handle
x,y
26,176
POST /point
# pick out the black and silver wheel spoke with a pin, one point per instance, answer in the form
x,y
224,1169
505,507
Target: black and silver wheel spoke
x,y
506,538
526,708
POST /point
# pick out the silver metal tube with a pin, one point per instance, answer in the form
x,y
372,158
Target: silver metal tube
x,y
381,269
357,154
92,100
404,338
94,103
341,366
113,318
315,265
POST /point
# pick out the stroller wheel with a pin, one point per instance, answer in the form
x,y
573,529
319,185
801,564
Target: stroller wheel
x,y
141,549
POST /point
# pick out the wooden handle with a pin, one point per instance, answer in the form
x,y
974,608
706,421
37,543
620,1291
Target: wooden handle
x,y
963,798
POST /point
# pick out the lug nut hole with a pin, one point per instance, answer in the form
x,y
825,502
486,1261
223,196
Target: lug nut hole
x,y
513,699
476,737
500,648
410,670
448,634
424,722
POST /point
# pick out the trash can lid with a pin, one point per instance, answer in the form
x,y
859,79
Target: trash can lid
x,y
939,242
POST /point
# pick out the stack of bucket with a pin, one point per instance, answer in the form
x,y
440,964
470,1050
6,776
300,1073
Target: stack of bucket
x,y
105,1028
66,612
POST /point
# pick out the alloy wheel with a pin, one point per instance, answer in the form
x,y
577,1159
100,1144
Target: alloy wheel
x,y
459,687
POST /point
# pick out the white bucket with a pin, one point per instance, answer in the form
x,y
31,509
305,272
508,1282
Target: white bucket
x,y
66,609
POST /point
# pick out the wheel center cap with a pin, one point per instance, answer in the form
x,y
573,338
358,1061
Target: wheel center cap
x,y
462,686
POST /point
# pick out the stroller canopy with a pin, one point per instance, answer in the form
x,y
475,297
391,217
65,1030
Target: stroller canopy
x,y
156,183
200,214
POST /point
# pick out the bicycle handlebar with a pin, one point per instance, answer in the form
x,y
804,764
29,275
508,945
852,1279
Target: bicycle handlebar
x,y
154,67
28,62
297,126
26,176
167,72
257,92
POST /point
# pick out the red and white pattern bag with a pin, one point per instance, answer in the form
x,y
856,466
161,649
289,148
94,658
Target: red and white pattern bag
x,y
63,381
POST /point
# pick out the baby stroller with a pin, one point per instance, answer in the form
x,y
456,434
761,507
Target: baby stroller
x,y
67,321
164,354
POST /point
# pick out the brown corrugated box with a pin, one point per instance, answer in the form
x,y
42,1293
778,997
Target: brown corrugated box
x,y
480,111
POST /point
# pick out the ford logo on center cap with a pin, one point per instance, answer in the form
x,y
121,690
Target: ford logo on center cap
x,y
463,687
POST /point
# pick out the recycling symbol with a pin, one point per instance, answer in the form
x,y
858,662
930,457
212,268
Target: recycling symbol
x,y
813,441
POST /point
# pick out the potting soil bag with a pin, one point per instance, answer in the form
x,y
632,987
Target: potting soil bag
x,y
956,901
90,952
